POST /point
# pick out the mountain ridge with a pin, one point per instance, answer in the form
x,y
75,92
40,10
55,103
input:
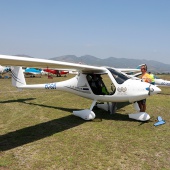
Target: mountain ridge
x,y
153,66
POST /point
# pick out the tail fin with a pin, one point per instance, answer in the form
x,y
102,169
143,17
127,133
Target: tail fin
x,y
18,78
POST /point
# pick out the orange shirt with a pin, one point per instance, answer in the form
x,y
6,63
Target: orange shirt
x,y
146,78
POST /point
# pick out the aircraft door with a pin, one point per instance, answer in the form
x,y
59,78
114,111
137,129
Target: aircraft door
x,y
101,84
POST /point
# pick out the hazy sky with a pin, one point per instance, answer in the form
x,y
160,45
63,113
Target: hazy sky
x,y
137,29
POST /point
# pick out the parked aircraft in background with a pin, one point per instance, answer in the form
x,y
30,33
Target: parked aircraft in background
x,y
58,73
135,73
89,83
161,82
33,71
4,69
158,81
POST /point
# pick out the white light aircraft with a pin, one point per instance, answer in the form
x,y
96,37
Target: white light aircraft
x,y
87,83
161,82
158,81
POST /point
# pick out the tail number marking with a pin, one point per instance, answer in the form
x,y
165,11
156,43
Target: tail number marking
x,y
50,86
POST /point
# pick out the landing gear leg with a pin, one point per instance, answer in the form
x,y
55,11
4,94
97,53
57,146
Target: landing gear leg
x,y
113,107
87,114
93,104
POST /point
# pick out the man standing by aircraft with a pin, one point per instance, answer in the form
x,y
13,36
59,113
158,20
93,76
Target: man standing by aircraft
x,y
145,78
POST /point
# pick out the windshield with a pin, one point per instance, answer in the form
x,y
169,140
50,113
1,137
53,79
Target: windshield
x,y
119,77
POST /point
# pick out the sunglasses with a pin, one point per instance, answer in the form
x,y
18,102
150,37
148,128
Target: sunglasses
x,y
142,68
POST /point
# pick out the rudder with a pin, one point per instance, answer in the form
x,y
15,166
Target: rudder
x,y
18,79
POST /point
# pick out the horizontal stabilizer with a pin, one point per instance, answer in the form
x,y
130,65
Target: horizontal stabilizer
x,y
160,121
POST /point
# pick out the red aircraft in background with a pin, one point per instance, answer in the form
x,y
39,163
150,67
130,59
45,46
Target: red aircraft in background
x,y
58,73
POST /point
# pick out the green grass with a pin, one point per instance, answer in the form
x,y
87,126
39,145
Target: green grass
x,y
39,132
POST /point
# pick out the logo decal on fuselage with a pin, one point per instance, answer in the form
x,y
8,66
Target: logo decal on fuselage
x,y
122,90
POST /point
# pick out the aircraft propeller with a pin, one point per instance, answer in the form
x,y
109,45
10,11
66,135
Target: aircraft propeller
x,y
150,90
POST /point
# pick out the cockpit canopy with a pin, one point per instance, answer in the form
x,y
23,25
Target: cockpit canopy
x,y
118,76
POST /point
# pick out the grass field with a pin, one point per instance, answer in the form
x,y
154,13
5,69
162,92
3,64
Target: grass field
x,y
39,132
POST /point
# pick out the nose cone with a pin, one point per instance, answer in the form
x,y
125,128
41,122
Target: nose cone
x,y
153,89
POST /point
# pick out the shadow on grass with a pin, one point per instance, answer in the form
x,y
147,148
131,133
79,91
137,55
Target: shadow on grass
x,y
100,115
18,100
33,133
163,94
118,116
42,105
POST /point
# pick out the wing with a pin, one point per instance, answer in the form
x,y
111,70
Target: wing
x,y
44,63
128,70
